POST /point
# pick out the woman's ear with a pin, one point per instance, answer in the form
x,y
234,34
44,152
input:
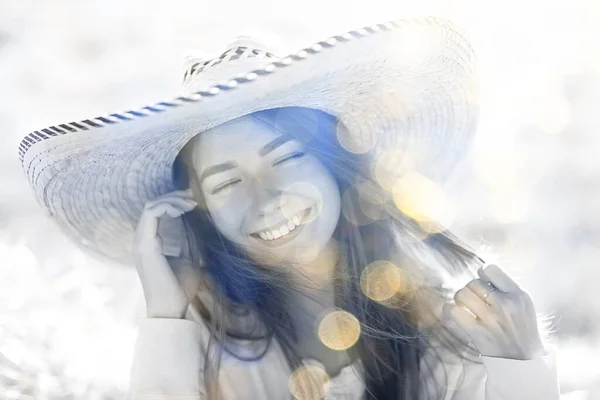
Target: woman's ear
x,y
180,174
194,184
184,175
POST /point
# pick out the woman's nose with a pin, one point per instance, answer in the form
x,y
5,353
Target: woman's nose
x,y
268,199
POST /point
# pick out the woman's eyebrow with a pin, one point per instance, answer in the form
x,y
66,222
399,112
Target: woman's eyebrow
x,y
266,149
218,168
273,144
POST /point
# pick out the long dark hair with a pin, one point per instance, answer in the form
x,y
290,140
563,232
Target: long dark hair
x,y
394,334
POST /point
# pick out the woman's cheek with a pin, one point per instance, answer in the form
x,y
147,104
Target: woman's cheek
x,y
226,199
305,178
228,214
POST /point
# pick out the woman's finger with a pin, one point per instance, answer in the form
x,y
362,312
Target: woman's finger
x,y
178,202
162,209
182,194
485,290
147,238
467,298
463,318
147,226
450,323
497,277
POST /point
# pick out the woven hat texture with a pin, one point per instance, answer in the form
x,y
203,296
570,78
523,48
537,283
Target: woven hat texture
x,y
405,86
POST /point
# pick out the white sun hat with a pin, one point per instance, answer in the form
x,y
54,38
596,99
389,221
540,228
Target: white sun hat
x,y
407,86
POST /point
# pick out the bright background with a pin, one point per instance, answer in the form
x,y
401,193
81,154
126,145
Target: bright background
x,y
531,189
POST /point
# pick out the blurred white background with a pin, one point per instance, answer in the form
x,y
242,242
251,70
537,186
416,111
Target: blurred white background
x,y
531,189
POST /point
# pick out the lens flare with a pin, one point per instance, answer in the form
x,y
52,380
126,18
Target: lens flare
x,y
339,330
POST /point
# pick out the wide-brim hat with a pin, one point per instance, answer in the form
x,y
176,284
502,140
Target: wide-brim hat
x,y
405,86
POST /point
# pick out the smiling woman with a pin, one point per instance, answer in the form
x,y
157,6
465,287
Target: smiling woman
x,y
276,254
255,179
310,298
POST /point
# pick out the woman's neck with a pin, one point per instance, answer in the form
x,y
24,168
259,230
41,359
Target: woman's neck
x,y
315,277
308,305
315,289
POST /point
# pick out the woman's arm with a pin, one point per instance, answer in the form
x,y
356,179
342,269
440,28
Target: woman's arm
x,y
522,379
168,360
499,319
169,353
491,378
514,362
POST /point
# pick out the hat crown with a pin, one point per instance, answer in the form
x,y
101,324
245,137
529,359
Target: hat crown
x,y
241,56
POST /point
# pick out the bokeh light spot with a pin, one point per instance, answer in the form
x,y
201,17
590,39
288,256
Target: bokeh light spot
x,y
381,280
424,201
390,165
372,192
308,190
339,330
360,141
309,382
352,210
372,210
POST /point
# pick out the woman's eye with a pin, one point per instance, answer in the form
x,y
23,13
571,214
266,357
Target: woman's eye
x,y
298,154
225,185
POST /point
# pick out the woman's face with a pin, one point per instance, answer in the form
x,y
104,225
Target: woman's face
x,y
265,192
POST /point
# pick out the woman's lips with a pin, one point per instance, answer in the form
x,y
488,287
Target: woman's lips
x,y
290,236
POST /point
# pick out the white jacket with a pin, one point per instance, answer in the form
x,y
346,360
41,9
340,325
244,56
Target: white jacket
x,y
169,357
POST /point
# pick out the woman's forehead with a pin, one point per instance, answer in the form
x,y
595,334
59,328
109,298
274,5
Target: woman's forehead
x,y
241,136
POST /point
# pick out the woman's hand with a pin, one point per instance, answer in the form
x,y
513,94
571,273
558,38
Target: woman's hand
x,y
168,287
505,322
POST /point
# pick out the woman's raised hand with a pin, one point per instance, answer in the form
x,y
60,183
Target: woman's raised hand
x,y
167,290
504,321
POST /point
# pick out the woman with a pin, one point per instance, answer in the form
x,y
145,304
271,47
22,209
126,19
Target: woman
x,y
278,246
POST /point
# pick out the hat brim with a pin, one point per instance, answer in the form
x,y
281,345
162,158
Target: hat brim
x,y
406,85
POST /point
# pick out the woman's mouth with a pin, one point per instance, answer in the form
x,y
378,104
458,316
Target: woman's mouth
x,y
284,233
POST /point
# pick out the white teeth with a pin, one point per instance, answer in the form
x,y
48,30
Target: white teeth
x,y
283,230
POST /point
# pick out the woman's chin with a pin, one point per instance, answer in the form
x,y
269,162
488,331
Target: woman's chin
x,y
289,256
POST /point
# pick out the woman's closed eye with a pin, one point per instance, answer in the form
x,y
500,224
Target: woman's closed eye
x,y
226,185
232,182
294,155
